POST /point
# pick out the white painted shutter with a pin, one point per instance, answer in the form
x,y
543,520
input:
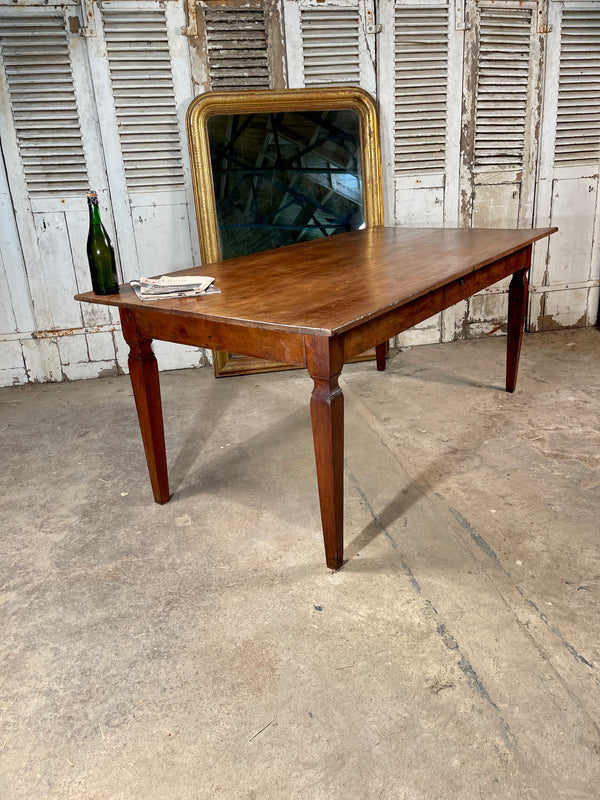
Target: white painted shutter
x,y
578,120
142,83
330,42
566,274
140,67
502,87
52,153
61,135
42,98
420,89
330,45
501,117
144,98
16,309
419,77
501,114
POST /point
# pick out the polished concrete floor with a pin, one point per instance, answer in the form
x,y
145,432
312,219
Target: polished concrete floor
x,y
203,650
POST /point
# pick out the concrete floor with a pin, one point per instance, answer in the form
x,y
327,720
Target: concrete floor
x,y
203,650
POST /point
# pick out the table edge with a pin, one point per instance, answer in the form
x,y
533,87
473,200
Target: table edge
x,y
170,307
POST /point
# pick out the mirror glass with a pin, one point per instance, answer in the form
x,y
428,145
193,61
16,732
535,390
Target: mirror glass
x,y
281,178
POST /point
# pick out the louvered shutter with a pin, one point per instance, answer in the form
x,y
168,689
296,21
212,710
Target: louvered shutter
x,y
578,119
501,114
419,78
502,87
52,154
42,98
236,45
420,89
500,133
331,42
144,99
140,69
566,275
239,45
330,45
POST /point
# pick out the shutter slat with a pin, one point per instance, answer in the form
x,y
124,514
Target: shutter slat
x,y
36,60
579,89
144,97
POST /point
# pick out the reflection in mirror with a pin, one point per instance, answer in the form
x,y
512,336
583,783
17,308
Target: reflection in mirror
x,y
281,178
275,167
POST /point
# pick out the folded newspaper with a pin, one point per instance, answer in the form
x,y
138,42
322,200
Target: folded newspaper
x,y
169,286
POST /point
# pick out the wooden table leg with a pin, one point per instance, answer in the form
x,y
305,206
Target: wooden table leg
x,y
143,371
517,309
325,361
380,353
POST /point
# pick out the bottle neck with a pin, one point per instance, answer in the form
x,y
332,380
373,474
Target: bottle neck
x,y
94,211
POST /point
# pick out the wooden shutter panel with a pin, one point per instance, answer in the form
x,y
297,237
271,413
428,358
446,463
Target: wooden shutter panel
x,y
144,100
330,42
578,120
40,83
502,88
237,44
330,45
420,88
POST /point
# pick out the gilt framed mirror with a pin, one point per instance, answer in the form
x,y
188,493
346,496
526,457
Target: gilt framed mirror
x,y
271,168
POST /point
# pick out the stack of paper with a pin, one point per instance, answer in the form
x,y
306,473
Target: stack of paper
x,y
169,286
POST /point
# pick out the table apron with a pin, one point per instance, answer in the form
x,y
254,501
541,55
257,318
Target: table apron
x,y
399,319
283,346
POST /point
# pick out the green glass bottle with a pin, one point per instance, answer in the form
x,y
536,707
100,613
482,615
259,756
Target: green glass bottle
x,y
100,253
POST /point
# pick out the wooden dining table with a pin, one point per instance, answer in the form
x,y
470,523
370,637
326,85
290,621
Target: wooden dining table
x,y
316,305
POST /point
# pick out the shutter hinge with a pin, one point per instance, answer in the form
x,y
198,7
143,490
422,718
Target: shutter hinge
x,y
460,18
374,28
191,29
88,25
542,18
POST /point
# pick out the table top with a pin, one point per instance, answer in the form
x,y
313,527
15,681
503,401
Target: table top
x,y
331,285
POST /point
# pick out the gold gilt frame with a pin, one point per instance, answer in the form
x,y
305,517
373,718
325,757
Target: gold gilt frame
x,y
203,107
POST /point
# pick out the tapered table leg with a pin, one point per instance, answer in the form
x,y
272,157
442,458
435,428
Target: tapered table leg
x,y
517,309
143,371
324,362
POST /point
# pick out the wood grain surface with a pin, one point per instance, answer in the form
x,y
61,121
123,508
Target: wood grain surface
x,y
331,285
